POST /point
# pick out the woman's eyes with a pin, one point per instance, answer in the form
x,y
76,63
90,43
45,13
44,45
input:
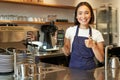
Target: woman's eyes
x,y
80,13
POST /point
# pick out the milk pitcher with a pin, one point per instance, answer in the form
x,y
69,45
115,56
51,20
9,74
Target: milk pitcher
x,y
114,62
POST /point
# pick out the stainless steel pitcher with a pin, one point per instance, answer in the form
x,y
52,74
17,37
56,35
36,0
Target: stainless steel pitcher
x,y
114,62
23,70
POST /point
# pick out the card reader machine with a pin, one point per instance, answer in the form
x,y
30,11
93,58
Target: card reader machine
x,y
60,38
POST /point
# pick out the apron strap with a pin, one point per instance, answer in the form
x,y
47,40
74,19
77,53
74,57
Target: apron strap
x,y
77,31
90,32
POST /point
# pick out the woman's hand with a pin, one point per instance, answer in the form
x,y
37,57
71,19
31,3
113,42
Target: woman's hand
x,y
65,51
66,47
90,43
96,47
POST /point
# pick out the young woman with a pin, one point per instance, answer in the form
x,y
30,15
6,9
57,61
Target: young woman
x,y
82,42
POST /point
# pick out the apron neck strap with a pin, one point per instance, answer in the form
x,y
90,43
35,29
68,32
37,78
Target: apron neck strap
x,y
90,31
77,30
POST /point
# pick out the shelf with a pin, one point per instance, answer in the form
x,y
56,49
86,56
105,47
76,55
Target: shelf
x,y
21,22
17,28
38,4
61,23
32,22
58,23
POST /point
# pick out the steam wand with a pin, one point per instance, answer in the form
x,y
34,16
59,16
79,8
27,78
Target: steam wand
x,y
106,60
106,55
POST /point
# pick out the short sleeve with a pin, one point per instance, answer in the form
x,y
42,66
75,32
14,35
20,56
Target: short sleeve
x,y
97,36
67,34
100,38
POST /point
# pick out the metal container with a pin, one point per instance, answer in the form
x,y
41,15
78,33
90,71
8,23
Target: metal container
x,y
25,70
114,62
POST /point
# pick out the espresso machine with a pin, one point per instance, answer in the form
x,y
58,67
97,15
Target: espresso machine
x,y
49,31
106,23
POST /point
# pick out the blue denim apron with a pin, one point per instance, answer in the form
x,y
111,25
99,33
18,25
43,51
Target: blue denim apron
x,y
81,56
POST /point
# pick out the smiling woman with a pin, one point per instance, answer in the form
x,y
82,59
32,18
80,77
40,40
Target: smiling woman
x,y
82,42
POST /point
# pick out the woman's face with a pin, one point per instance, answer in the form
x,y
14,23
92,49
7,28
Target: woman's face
x,y
83,15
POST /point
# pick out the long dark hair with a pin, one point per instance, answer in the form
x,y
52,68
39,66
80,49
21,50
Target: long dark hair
x,y
90,8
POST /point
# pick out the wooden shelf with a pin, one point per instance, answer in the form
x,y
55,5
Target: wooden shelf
x,y
17,28
21,22
35,4
32,22
38,4
60,22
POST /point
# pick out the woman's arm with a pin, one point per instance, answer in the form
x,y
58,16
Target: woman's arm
x,y
66,47
97,48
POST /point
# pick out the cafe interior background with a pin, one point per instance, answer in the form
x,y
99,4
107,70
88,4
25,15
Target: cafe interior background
x,y
36,14
60,13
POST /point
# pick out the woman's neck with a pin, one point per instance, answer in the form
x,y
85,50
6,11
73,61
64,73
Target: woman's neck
x,y
84,26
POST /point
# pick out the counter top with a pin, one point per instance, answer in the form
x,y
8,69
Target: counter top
x,y
69,74
49,54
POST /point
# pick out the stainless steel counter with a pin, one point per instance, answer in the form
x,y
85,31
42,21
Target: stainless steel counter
x,y
49,54
56,58
66,73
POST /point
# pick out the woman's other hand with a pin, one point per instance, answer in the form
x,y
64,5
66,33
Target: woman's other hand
x,y
64,51
66,47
